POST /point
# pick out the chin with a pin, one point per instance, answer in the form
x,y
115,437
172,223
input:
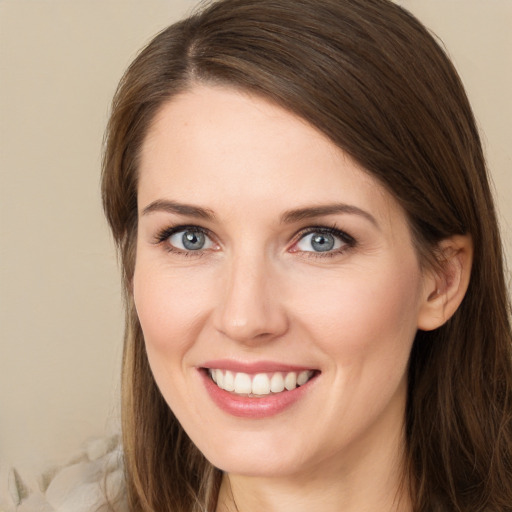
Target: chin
x,y
256,466
255,455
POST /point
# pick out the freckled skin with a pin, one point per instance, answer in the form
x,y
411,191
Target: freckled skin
x,y
258,292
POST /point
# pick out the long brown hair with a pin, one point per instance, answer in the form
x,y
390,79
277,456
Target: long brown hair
x,y
371,77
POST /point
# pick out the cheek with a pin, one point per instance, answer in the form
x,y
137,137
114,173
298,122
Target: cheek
x,y
169,307
365,315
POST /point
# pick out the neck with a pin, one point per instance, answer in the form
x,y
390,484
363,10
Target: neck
x,y
367,480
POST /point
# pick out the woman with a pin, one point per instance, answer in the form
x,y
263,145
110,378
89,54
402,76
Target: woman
x,y
317,314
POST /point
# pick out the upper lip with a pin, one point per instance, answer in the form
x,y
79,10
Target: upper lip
x,y
253,367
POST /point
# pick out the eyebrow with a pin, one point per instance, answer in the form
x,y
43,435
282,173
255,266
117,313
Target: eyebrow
x,y
162,205
288,217
299,214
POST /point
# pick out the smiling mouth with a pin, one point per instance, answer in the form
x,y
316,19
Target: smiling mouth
x,y
260,384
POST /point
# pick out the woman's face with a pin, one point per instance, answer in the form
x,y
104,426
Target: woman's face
x,y
267,260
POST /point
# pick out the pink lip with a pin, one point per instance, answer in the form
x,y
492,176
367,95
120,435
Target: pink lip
x,y
255,367
255,408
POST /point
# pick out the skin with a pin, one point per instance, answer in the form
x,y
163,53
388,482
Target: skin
x,y
258,291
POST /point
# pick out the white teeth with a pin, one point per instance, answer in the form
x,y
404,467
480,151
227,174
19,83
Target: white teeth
x,y
229,381
260,384
220,378
243,384
290,381
302,378
277,383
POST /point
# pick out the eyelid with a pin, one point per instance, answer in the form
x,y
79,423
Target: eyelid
x,y
348,241
163,236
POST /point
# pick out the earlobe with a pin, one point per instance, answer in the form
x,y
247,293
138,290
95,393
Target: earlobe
x,y
445,286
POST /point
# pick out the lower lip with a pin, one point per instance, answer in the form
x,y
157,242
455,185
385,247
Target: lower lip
x,y
247,407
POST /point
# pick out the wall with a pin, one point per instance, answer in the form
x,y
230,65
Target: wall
x,y
60,310
61,319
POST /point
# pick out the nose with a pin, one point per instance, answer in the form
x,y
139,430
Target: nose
x,y
249,308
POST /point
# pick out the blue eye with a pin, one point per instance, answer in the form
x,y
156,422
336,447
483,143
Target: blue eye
x,y
327,240
191,239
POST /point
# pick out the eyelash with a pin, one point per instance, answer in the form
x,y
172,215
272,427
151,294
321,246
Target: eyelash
x,y
163,235
348,241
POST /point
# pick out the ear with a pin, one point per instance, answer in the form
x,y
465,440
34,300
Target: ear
x,y
445,286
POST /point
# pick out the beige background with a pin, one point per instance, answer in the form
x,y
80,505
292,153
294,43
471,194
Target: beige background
x,y
60,311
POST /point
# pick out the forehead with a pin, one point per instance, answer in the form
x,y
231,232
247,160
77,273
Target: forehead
x,y
217,145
